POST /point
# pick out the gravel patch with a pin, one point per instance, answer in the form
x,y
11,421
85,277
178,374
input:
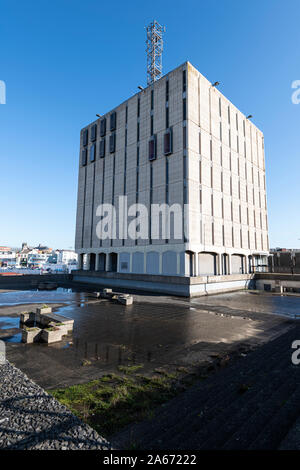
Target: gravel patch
x,y
30,418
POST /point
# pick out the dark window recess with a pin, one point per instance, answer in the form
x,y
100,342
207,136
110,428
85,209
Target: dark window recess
x,y
94,133
93,153
184,81
113,121
83,157
167,90
168,142
152,99
85,137
167,117
103,127
152,148
112,143
184,109
102,148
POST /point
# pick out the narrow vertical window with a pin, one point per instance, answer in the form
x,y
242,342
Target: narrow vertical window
x,y
83,157
184,109
168,142
103,127
167,117
167,90
184,81
85,137
94,133
200,171
113,121
152,148
152,99
184,137
138,107
93,153
102,148
112,143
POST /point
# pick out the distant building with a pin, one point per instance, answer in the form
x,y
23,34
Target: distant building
x,y
7,256
66,257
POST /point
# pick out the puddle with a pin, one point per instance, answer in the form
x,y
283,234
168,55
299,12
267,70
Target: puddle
x,y
6,323
13,339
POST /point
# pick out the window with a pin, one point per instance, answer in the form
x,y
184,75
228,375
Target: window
x,y
183,81
151,125
112,143
83,157
102,148
152,99
93,153
138,107
103,127
113,121
138,132
167,90
94,133
168,142
152,148
184,109
85,137
167,117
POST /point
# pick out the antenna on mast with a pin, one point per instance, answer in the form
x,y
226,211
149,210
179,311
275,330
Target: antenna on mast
x,y
154,51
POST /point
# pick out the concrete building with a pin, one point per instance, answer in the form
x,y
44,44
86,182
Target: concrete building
x,y
179,141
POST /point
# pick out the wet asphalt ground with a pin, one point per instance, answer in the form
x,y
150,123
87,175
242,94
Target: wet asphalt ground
x,y
155,332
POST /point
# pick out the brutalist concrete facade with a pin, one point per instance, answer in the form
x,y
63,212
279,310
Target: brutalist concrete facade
x,y
215,166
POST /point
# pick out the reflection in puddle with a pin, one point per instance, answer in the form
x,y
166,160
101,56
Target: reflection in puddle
x,y
6,323
13,339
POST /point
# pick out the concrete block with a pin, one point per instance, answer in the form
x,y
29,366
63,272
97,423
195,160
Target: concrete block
x,y
51,335
125,299
27,316
43,310
31,335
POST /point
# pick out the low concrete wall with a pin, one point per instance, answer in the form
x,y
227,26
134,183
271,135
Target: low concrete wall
x,y
277,280
174,285
32,280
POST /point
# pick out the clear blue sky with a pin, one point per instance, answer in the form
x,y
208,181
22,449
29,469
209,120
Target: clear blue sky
x,y
63,61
